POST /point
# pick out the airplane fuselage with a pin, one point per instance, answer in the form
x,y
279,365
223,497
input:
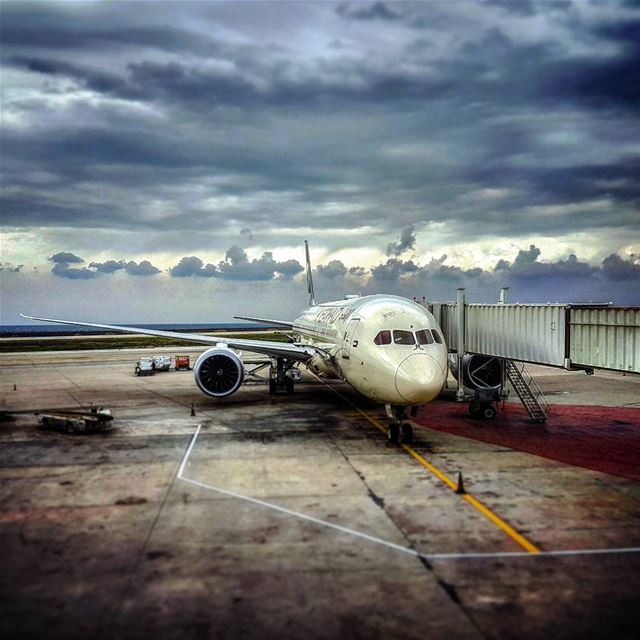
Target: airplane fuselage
x,y
388,348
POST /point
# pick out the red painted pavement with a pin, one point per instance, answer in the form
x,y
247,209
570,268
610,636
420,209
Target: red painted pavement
x,y
603,439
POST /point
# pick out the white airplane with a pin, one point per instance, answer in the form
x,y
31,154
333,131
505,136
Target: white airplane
x,y
388,348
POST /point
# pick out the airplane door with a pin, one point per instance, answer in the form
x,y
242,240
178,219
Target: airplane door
x,y
347,342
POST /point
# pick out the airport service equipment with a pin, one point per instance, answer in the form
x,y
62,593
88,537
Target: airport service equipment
x,y
162,363
144,367
182,363
98,419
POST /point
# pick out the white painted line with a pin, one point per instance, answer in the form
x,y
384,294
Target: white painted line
x,y
304,516
380,541
525,554
188,452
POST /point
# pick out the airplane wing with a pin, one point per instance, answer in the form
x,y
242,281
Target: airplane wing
x,y
266,347
275,323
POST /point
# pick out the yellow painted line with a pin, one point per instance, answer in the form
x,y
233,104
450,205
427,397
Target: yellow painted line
x,y
474,502
499,522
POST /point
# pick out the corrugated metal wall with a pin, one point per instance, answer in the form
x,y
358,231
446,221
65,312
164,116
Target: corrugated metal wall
x,y
528,332
605,338
445,314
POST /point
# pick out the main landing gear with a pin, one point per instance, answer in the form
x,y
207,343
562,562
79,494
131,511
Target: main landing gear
x,y
398,431
482,410
282,375
484,404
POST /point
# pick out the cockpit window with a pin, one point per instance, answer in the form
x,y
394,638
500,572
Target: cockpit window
x,y
424,336
403,337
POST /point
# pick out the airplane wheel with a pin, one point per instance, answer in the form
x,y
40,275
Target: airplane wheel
x,y
474,409
489,412
407,433
393,433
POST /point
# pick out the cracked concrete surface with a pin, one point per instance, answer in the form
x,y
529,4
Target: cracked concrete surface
x,y
100,539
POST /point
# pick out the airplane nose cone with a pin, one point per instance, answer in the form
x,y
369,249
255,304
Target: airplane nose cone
x,y
419,378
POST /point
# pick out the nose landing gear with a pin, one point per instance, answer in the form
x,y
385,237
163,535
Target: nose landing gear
x,y
398,432
282,375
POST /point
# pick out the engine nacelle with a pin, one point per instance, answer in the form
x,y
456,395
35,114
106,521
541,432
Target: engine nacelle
x,y
219,372
479,371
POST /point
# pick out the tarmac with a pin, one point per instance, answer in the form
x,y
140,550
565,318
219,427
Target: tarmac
x,y
293,517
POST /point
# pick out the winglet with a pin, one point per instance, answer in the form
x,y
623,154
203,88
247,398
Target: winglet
x,y
312,297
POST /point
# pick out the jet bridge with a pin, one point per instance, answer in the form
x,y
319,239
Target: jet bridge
x,y
572,336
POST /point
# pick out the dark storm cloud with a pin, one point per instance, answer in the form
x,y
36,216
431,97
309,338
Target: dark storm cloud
x,y
585,196
565,280
393,269
143,268
406,242
333,269
94,79
518,7
196,86
527,256
61,267
519,69
515,65
288,268
571,268
38,25
205,116
64,257
600,82
373,11
616,268
109,266
11,268
525,266
192,266
63,270
237,266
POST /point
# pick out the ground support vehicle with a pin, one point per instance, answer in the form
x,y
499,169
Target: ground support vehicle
x,y
162,363
144,367
96,419
182,363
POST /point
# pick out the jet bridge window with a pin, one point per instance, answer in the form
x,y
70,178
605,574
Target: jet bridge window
x,y
384,337
436,336
403,337
424,336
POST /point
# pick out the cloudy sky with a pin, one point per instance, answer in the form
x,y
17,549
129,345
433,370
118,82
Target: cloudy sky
x,y
164,161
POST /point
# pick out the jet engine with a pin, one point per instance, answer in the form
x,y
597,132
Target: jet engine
x,y
479,372
219,372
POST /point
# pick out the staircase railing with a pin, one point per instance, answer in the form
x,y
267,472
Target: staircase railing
x,y
527,390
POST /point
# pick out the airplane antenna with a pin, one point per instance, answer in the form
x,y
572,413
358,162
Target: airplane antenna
x,y
312,297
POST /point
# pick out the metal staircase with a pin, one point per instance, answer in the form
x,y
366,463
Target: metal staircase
x,y
528,391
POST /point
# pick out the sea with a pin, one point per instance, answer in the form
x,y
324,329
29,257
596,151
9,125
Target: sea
x,y
50,329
